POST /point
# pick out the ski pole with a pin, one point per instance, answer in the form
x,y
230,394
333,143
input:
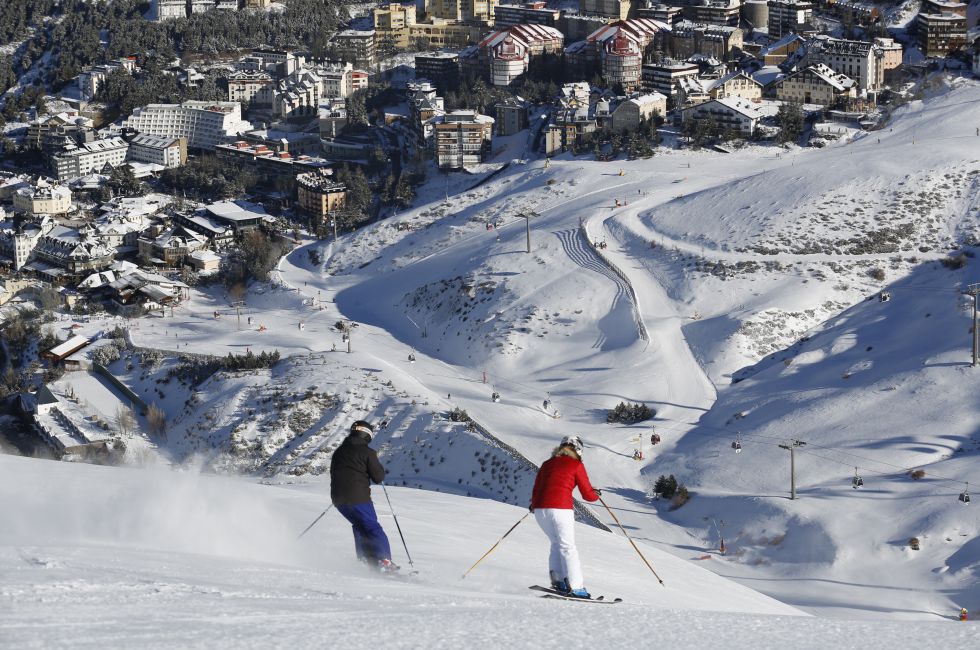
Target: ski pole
x,y
398,526
496,545
315,520
616,519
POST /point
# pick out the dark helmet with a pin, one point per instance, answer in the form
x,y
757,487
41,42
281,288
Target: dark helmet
x,y
364,428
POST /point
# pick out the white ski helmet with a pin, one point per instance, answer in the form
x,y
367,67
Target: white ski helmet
x,y
574,442
364,428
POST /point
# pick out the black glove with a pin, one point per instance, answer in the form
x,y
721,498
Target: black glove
x,y
598,492
530,508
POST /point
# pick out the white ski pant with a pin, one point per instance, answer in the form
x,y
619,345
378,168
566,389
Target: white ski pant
x,y
559,525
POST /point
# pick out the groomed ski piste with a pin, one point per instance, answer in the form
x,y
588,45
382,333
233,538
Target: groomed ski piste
x,y
739,295
93,557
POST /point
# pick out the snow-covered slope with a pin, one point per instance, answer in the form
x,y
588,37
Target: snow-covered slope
x,y
95,557
170,558
714,266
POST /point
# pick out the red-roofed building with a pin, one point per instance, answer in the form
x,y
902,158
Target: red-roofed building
x,y
622,61
505,54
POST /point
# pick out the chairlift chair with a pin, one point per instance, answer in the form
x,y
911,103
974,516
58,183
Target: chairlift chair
x,y
495,396
857,481
737,444
965,495
546,404
884,296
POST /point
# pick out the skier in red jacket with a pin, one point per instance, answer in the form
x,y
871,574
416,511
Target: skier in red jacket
x,y
552,505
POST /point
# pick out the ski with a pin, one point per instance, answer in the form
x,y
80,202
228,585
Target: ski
x,y
557,595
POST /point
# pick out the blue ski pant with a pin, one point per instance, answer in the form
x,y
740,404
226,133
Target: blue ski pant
x,y
370,542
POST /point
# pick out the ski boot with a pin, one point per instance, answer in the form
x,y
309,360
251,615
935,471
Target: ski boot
x,y
387,566
559,584
580,593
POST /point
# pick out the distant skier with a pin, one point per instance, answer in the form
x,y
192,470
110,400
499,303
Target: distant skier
x,y
964,615
353,467
552,505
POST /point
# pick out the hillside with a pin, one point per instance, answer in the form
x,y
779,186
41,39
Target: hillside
x,y
714,268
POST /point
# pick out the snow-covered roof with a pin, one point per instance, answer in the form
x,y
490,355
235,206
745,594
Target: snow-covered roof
x,y
721,81
73,344
237,210
838,81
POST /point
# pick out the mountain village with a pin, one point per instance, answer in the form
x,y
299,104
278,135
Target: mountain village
x,y
728,243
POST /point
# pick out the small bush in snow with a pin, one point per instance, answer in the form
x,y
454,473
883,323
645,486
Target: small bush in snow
x,y
877,274
629,413
458,415
954,261
917,474
106,354
681,497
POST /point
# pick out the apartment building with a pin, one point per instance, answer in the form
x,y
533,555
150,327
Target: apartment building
x,y
689,38
734,84
622,61
528,13
442,34
505,54
714,12
512,116
91,78
787,16
204,124
77,160
441,68
391,22
470,12
357,46
615,9
462,138
629,113
18,243
665,78
817,84
859,60
250,86
319,194
730,113
940,33
168,152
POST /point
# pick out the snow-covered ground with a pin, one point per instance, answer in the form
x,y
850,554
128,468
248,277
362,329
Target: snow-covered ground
x,y
96,557
762,266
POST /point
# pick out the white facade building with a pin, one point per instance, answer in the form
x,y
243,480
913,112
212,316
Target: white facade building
x,y
89,157
204,124
158,150
43,198
169,9
627,116
90,79
732,113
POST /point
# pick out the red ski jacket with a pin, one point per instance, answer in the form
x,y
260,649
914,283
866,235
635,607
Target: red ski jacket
x,y
555,481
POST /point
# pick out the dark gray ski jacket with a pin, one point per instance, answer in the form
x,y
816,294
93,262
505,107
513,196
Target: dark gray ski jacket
x,y
353,468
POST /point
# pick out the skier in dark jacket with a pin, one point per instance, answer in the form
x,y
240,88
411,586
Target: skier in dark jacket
x,y
353,468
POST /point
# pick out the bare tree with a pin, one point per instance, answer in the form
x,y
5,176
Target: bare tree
x,y
125,420
157,420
